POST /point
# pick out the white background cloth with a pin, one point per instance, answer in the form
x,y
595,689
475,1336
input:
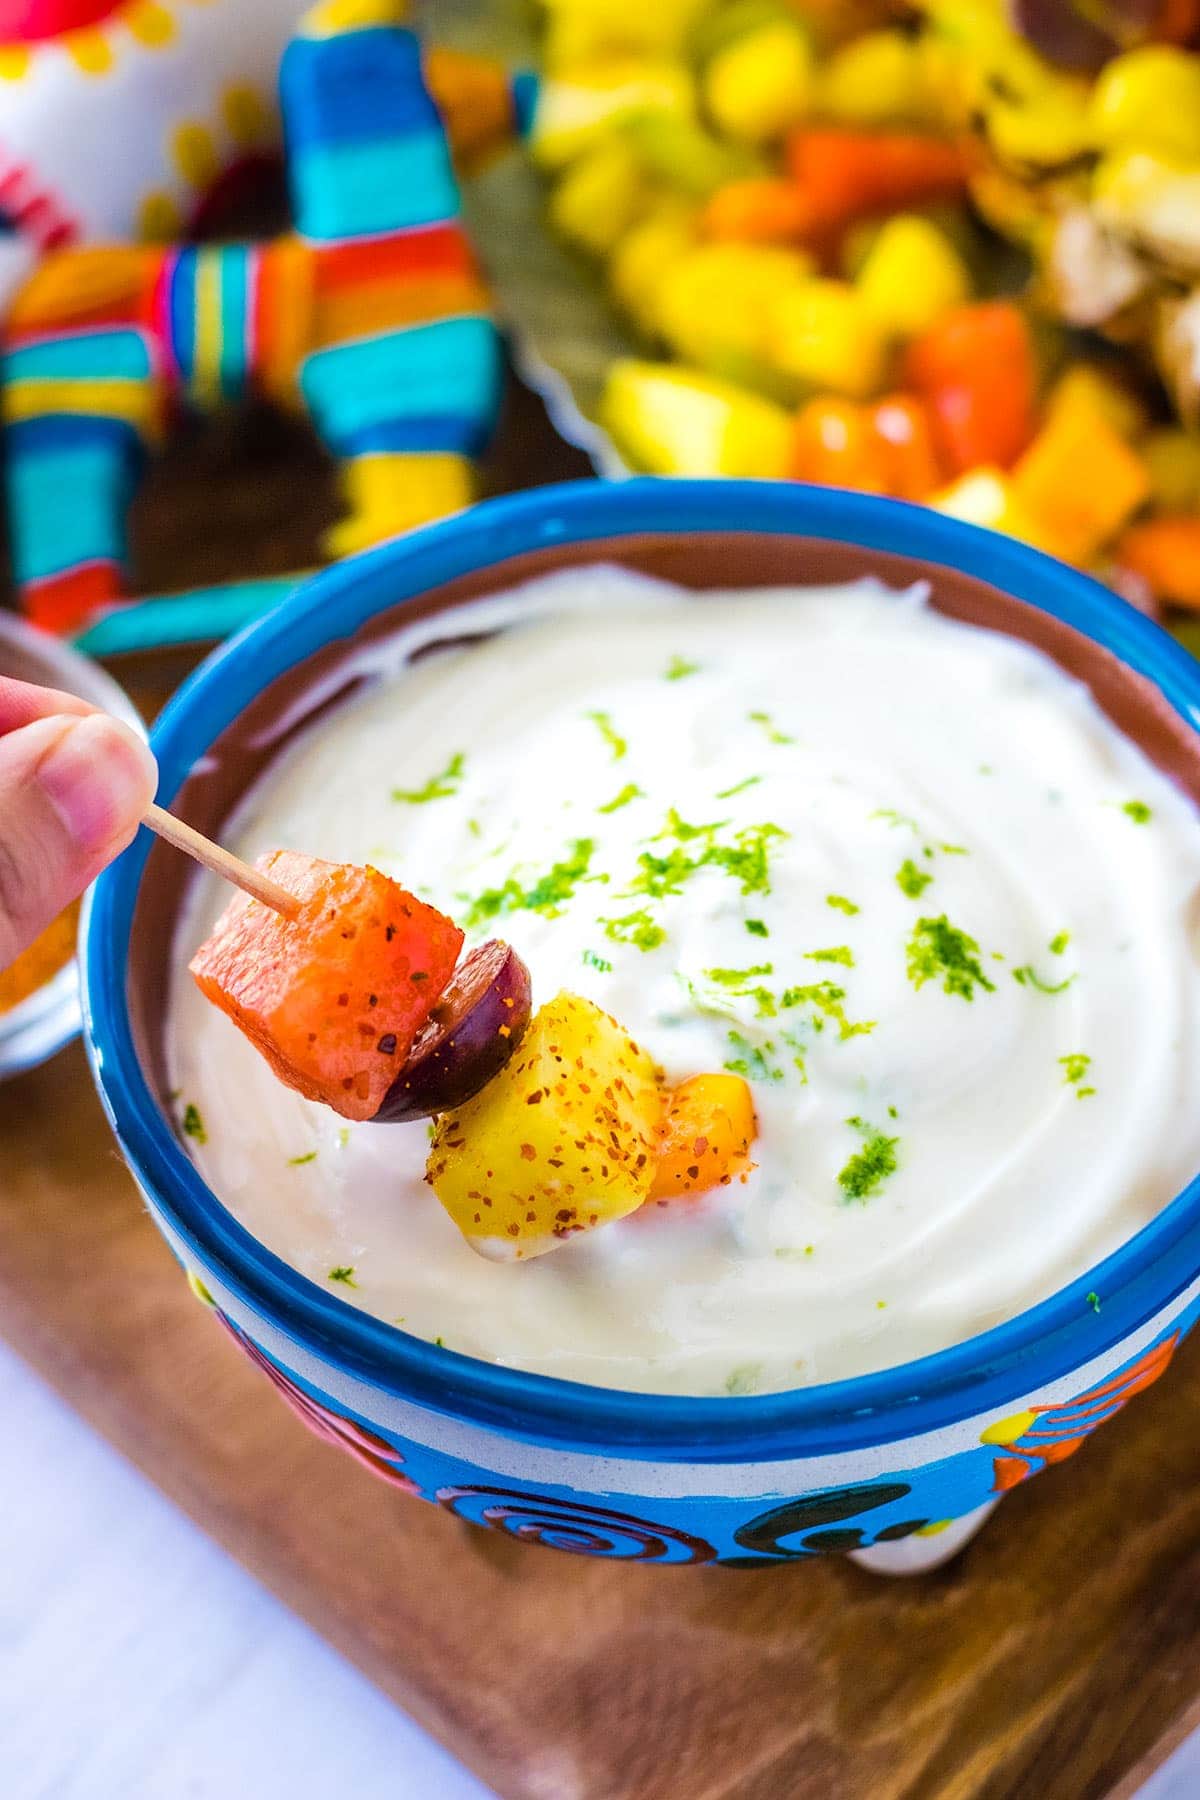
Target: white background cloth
x,y
138,1660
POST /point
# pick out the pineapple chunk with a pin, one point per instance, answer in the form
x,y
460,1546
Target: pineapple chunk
x,y
563,1140
987,497
673,421
578,110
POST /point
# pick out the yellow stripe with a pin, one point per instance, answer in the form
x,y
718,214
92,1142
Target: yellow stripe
x,y
133,402
206,370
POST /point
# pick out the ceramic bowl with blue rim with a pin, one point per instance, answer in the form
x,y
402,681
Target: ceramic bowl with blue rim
x,y
896,1468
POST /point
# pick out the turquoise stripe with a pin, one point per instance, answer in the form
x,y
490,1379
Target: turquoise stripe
x,y
235,289
447,367
94,355
67,507
357,190
200,616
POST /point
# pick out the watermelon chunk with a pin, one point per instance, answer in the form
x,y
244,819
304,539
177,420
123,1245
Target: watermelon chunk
x,y
334,997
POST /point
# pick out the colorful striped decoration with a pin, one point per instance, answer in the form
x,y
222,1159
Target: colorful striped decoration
x,y
371,314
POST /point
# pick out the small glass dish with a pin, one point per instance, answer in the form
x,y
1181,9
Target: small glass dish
x,y
38,1026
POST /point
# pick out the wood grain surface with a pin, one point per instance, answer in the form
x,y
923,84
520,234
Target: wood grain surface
x,y
1057,1656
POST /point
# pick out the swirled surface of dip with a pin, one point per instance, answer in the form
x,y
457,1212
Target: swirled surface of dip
x,y
899,872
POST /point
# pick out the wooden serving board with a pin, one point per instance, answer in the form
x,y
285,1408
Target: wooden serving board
x,y
1057,1659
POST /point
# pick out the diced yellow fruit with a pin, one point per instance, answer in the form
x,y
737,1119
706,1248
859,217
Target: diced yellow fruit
x,y
675,421
1079,481
877,79
1152,200
719,26
575,110
599,197
646,254
985,497
563,1140
912,275
1173,460
1149,99
760,84
584,32
1084,387
823,334
684,155
717,300
1043,133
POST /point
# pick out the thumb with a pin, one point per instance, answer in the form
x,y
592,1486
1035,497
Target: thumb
x,y
71,793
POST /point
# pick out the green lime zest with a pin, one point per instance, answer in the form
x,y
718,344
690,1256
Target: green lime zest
x,y
548,895
193,1125
752,1063
636,928
679,668
840,904
940,951
774,735
1028,976
631,791
911,880
608,731
867,1170
745,1379
439,787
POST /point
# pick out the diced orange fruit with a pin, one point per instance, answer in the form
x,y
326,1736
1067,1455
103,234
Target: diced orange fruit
x,y
706,1136
1080,480
760,209
1165,552
334,997
976,369
904,429
847,174
835,445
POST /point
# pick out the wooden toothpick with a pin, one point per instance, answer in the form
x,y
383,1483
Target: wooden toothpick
x,y
221,862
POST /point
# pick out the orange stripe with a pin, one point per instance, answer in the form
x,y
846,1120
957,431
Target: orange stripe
x,y
107,285
282,316
439,250
340,318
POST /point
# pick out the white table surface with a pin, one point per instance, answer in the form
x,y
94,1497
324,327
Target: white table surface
x,y
139,1662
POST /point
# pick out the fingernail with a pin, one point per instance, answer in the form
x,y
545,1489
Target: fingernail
x,y
99,777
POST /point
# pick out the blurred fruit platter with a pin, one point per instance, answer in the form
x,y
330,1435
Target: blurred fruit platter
x,y
948,252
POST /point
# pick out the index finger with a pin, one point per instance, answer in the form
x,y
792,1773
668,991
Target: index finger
x,y
21,703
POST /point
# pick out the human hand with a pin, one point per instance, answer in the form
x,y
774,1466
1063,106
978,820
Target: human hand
x,y
73,785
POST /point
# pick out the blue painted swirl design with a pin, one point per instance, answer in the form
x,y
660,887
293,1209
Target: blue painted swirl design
x,y
577,1528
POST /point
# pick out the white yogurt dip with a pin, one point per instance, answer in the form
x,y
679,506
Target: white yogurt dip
x,y
899,872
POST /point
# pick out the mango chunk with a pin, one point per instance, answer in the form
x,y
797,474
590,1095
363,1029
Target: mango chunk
x,y
563,1140
706,1136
